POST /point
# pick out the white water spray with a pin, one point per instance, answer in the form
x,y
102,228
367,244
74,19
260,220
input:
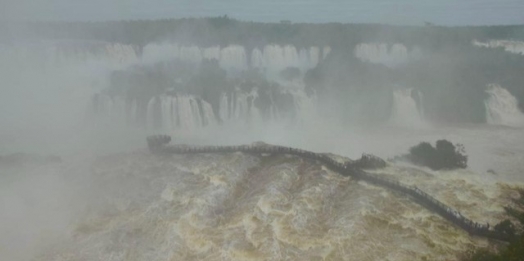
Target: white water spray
x,y
405,112
382,53
502,107
239,107
271,58
516,47
186,112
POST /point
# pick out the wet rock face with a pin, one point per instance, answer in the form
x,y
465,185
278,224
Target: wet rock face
x,y
369,161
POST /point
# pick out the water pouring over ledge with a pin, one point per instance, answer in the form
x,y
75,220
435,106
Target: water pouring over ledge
x,y
406,111
502,108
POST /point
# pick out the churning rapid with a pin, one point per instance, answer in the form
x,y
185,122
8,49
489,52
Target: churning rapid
x,y
92,102
242,207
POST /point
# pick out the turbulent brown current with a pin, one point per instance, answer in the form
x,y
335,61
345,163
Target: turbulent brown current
x,y
240,206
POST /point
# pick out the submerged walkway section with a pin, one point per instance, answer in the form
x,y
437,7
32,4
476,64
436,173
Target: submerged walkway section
x,y
158,145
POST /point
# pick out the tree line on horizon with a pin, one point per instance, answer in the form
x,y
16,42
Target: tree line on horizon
x,y
223,30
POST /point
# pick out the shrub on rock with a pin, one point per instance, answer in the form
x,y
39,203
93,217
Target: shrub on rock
x,y
444,155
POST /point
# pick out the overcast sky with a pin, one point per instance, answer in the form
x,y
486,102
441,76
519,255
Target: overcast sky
x,y
412,12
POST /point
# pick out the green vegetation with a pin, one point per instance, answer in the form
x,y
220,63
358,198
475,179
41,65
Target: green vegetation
x,y
444,156
512,252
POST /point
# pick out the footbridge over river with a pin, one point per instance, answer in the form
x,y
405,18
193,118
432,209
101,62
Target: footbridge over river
x,y
159,145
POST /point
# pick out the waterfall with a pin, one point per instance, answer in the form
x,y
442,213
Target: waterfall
x,y
180,113
384,54
166,112
239,106
326,51
97,56
275,58
207,114
111,54
252,114
195,111
109,111
223,112
313,58
305,106
304,56
272,58
233,58
131,113
186,112
502,107
508,45
150,115
175,118
212,53
157,52
162,112
406,112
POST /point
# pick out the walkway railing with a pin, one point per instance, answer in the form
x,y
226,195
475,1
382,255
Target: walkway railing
x,y
158,144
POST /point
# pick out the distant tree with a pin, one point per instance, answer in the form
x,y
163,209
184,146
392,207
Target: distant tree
x,y
221,21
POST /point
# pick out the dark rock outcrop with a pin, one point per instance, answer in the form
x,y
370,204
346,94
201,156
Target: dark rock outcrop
x,y
444,155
